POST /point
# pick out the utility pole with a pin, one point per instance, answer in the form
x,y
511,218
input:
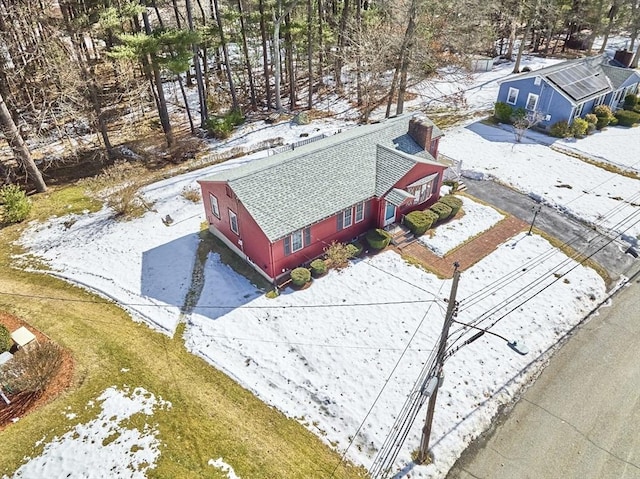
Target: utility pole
x,y
536,209
440,358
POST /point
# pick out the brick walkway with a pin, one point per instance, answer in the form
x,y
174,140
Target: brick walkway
x,y
469,253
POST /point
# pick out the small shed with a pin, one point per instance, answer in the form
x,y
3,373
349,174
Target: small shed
x,y
479,63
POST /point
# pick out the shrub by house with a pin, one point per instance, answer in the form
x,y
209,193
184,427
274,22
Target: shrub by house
x,y
443,211
318,267
300,276
452,202
418,222
378,238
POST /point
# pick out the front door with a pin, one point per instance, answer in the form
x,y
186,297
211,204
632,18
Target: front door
x,y
389,214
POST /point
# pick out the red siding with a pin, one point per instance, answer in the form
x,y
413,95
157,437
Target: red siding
x,y
255,244
322,234
271,258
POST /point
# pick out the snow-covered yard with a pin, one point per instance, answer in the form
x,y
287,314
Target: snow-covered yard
x,y
578,188
106,443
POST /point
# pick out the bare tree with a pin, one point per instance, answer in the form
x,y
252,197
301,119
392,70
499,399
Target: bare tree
x,y
19,148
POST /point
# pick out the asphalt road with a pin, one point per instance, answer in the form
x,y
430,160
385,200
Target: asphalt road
x,y
582,238
581,417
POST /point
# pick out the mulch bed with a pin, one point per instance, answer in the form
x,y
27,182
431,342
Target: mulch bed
x,y
23,403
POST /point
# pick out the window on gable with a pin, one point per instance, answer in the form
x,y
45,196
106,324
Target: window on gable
x,y
297,240
537,81
229,191
359,212
214,206
512,97
233,222
532,102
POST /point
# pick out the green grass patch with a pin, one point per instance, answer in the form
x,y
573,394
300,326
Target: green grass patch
x,y
63,201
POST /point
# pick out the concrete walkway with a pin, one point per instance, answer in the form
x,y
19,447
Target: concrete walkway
x,y
469,253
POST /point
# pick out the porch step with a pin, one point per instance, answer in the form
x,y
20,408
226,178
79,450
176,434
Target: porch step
x,y
404,238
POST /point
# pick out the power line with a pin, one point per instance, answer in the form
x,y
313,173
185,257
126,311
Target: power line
x,y
211,306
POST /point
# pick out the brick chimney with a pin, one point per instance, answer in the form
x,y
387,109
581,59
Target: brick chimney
x,y
420,129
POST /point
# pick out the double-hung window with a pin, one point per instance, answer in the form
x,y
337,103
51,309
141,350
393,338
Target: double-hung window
x,y
233,222
348,217
297,240
512,97
214,206
532,102
359,212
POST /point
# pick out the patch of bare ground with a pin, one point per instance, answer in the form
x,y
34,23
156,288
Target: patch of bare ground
x,y
24,403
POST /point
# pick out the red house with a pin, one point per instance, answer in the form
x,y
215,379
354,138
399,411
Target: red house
x,y
282,211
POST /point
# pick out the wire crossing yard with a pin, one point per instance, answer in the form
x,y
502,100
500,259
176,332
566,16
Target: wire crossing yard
x,y
211,416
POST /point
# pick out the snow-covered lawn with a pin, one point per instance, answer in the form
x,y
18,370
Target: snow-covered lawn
x,y
580,189
105,443
476,219
323,354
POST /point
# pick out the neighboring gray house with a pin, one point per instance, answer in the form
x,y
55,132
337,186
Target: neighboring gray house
x,y
570,89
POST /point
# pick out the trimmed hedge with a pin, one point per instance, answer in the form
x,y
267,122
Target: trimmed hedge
x,y
300,276
417,222
560,129
452,202
627,117
503,112
5,339
579,127
318,267
605,117
443,211
630,102
378,238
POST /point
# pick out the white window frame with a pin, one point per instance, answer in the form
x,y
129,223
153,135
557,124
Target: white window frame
x,y
295,236
215,209
516,92
349,212
537,81
359,213
579,110
233,219
531,96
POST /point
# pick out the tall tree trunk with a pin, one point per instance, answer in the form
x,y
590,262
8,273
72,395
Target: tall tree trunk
x,y
163,113
277,21
310,52
358,60
342,40
290,64
202,95
225,52
516,67
186,105
320,44
245,48
607,31
512,38
405,54
265,54
19,148
392,89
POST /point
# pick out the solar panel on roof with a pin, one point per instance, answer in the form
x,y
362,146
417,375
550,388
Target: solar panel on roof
x,y
579,81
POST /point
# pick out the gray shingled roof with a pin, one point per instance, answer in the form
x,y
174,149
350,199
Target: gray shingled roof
x,y
292,190
583,78
397,196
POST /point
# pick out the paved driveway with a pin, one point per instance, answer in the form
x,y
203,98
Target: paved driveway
x,y
581,418
582,238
